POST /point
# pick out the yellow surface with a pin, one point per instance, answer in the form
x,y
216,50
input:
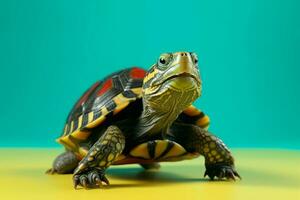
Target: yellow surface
x,y
267,174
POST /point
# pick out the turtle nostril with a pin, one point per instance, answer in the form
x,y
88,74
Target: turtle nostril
x,y
183,54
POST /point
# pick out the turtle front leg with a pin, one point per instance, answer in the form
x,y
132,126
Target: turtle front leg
x,y
91,169
219,161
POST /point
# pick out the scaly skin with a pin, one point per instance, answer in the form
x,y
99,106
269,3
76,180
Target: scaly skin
x,y
218,159
65,163
91,169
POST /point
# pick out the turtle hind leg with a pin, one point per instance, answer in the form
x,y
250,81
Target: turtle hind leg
x,y
64,163
149,166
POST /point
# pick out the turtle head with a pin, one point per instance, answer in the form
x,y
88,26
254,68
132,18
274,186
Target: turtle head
x,y
173,82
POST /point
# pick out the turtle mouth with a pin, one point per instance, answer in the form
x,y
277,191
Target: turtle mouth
x,y
182,75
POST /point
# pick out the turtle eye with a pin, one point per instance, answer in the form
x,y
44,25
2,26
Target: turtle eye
x,y
195,58
164,60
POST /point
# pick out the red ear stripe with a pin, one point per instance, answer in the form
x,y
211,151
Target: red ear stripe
x,y
106,86
137,73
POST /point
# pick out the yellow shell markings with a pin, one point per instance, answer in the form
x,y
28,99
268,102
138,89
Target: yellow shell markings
x,y
187,156
90,117
192,111
176,153
140,151
97,121
203,122
121,103
65,129
121,107
160,147
72,124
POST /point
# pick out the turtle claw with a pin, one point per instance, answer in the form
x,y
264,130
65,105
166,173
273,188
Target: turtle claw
x,y
50,171
98,182
222,174
90,179
237,174
76,181
221,171
105,180
83,181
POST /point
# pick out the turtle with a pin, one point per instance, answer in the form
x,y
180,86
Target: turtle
x,y
142,117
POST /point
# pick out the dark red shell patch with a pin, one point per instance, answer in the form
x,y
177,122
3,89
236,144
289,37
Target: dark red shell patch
x,y
106,86
87,93
137,73
102,94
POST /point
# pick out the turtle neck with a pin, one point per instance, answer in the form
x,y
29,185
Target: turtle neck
x,y
152,122
157,121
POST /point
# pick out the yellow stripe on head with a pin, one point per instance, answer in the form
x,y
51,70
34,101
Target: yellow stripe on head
x,y
151,74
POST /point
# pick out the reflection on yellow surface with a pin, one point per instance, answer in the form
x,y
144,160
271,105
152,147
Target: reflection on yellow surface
x,y
267,174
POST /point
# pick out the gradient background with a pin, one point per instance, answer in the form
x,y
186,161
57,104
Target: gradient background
x,y
51,51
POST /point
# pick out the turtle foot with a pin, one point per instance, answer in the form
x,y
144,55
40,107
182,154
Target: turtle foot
x,y
221,171
90,179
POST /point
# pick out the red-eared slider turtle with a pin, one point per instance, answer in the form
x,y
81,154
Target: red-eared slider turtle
x,y
135,116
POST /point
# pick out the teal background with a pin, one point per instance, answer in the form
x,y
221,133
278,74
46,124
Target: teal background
x,y
51,51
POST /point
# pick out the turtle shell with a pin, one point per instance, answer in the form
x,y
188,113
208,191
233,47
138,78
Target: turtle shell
x,y
104,98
